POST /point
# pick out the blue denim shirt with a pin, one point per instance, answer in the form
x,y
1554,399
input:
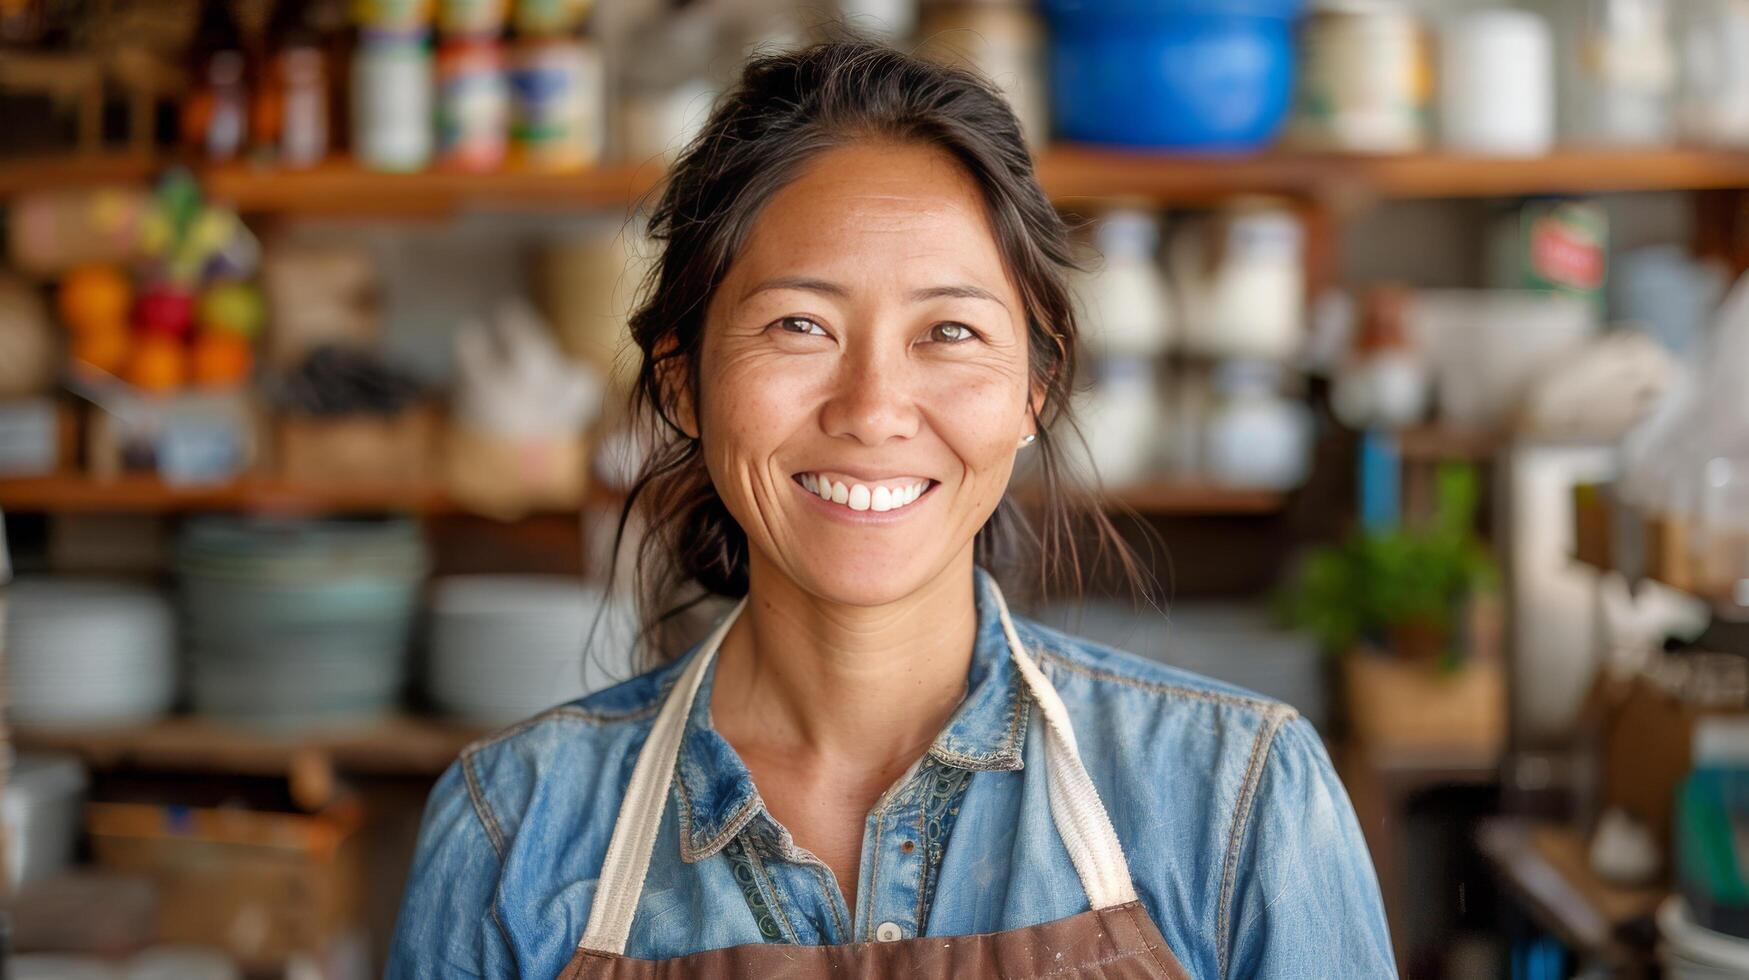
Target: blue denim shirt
x,y
1242,844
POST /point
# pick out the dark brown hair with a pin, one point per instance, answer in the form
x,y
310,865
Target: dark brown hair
x,y
786,109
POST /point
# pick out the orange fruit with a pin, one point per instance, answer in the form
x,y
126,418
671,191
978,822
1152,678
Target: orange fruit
x,y
222,360
159,365
94,297
104,348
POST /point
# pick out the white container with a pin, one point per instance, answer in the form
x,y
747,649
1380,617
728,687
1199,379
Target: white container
x,y
1486,345
889,20
1364,79
560,116
88,652
1256,437
506,647
29,437
1120,419
1690,951
40,811
1241,283
1618,71
1713,95
1496,83
392,115
1124,303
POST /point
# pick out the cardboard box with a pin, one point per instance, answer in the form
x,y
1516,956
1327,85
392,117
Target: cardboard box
x,y
263,886
358,449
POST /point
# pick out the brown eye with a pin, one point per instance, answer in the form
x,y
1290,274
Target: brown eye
x,y
801,325
950,333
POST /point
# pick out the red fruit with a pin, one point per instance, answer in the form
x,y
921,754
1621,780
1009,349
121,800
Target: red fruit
x,y
165,312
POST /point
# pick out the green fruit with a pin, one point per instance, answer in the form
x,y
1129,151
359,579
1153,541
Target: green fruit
x,y
235,307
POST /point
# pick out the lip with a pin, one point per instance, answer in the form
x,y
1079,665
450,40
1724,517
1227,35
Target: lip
x,y
839,512
859,474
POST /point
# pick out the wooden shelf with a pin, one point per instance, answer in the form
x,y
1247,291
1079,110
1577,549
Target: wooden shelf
x,y
340,187
401,745
50,173
76,493
1071,172
1068,172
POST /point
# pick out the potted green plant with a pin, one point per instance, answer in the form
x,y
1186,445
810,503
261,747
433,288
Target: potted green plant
x,y
1408,611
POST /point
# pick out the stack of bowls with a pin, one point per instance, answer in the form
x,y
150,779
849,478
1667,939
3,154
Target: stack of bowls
x,y
83,652
291,623
504,647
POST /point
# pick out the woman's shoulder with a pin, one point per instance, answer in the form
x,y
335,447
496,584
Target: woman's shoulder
x,y
1156,721
1094,670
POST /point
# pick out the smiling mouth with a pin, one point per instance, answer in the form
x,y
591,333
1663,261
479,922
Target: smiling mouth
x,y
879,497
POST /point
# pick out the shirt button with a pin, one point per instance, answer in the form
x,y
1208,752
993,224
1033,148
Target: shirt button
x,y
888,932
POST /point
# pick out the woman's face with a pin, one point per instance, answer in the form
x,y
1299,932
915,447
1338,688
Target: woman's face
x,y
863,385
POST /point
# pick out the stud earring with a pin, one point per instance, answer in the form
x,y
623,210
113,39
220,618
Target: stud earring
x,y
1028,439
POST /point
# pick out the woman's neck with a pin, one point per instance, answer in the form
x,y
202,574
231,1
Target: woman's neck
x,y
797,674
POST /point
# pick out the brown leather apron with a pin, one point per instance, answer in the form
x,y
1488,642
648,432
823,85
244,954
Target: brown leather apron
x,y
1114,939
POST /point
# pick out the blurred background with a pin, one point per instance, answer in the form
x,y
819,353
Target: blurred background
x,y
1414,366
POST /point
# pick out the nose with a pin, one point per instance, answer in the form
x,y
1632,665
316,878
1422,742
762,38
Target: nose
x,y
872,398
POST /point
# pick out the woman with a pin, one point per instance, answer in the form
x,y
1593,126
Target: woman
x,y
858,323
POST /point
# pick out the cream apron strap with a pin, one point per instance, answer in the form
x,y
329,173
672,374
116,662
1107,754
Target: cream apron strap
x,y
640,814
1076,809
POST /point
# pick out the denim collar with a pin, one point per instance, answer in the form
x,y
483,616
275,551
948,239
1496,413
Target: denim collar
x,y
986,732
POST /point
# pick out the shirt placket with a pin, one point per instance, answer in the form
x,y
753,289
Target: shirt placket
x,y
889,888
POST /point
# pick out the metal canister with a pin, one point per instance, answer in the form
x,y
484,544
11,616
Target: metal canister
x,y
559,90
1365,82
473,105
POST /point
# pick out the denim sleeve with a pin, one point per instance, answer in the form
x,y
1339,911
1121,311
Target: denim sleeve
x,y
447,927
1305,899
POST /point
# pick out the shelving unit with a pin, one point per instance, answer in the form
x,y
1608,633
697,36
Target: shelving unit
x,y
76,493
1068,173
400,745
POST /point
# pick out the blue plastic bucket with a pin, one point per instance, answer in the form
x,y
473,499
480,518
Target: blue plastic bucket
x,y
1209,77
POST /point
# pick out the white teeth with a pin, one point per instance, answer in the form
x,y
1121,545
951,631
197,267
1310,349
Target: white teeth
x,y
859,497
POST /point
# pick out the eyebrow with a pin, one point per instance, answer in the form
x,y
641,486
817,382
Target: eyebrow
x,y
830,288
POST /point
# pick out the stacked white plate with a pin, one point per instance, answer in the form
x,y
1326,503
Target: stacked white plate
x,y
504,647
1691,951
88,652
